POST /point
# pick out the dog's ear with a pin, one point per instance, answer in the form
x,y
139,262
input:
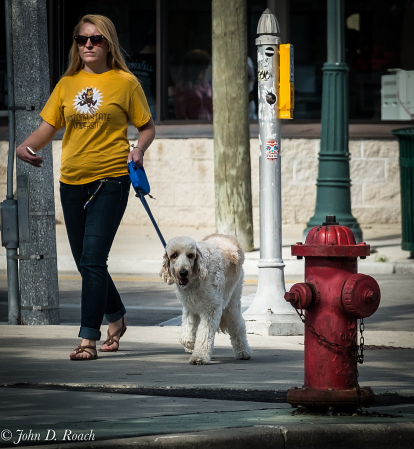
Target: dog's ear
x,y
165,272
201,265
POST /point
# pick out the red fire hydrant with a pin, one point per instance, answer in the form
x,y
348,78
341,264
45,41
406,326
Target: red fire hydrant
x,y
334,296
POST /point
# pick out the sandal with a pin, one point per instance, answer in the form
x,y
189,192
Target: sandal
x,y
110,340
81,349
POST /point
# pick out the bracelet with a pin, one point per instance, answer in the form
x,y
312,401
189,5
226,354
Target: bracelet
x,y
142,151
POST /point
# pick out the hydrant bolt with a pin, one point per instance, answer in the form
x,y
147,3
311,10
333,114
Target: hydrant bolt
x,y
291,296
370,296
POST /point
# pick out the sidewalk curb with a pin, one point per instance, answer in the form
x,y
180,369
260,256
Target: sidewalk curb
x,y
135,265
131,265
305,436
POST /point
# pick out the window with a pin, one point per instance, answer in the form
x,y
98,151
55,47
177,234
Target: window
x,y
188,85
3,71
377,38
168,46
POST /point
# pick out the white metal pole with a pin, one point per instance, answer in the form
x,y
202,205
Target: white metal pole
x,y
269,313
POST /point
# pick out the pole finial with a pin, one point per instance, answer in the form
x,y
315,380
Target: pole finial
x,y
268,23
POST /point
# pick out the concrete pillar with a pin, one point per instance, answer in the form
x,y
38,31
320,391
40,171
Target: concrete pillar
x,y
39,291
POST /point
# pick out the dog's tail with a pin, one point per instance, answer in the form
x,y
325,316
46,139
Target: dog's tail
x,y
223,327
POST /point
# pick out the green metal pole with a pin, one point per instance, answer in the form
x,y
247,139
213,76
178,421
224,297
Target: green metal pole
x,y
333,194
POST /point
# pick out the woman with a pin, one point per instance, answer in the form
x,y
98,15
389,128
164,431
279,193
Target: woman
x,y
95,99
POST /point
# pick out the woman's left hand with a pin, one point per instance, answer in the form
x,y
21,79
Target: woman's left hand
x,y
145,138
137,156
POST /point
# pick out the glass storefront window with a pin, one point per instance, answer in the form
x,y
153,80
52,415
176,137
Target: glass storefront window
x,y
189,83
3,71
308,36
378,37
188,63
142,55
168,47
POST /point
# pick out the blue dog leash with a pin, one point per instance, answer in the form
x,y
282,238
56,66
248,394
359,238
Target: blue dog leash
x,y
141,186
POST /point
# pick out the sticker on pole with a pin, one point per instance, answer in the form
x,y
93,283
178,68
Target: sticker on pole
x,y
272,150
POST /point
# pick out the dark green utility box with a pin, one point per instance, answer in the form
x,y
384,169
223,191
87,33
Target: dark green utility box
x,y
406,143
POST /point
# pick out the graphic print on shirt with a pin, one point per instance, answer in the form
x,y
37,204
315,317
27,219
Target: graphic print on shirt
x,y
88,101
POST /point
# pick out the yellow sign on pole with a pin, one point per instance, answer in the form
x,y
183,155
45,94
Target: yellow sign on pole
x,y
286,84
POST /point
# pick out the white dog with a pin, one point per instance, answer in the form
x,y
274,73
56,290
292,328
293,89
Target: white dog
x,y
208,278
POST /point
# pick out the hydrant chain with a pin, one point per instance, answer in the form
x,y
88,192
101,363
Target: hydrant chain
x,y
357,351
360,356
357,357
322,338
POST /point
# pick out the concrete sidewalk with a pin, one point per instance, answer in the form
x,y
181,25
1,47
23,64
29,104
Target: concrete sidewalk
x,y
147,394
137,249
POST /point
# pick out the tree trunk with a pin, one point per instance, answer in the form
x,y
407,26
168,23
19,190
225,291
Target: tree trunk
x,y
232,171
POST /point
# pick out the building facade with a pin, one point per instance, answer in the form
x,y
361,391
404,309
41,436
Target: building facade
x,y
168,47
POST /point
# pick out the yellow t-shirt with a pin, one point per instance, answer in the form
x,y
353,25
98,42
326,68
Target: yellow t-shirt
x,y
96,109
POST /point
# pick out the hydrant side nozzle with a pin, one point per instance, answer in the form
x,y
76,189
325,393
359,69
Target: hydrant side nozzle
x,y
301,296
361,296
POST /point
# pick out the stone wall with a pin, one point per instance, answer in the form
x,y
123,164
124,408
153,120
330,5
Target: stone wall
x,y
181,175
375,177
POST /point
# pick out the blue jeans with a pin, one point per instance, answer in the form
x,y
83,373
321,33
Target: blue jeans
x,y
91,232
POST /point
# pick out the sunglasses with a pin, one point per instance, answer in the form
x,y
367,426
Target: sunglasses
x,y
95,40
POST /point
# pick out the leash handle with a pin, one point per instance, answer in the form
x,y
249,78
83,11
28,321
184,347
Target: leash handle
x,y
146,207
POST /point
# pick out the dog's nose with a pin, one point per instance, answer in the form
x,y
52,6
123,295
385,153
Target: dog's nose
x,y
183,273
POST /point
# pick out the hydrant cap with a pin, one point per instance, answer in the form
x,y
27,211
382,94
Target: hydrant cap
x,y
330,234
361,296
330,240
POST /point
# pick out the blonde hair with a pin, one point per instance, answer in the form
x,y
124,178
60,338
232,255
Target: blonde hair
x,y
115,60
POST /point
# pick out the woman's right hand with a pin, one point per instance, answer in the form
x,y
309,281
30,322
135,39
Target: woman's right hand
x,y
23,154
36,141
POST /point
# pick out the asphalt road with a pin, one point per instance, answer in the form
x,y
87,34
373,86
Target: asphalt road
x,y
150,302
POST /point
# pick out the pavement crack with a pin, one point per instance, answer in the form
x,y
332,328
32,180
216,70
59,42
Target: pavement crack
x,y
222,394
227,394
